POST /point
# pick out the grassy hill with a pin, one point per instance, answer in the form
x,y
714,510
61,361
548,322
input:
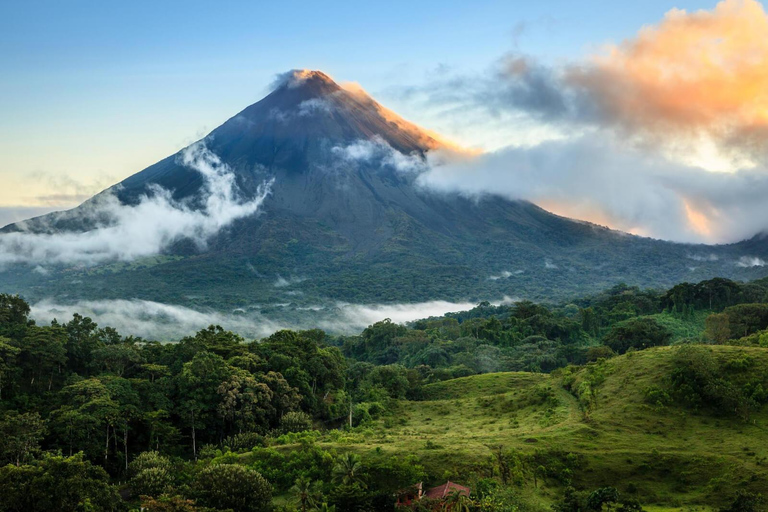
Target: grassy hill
x,y
667,456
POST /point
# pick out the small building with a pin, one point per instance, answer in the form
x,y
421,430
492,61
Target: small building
x,y
409,496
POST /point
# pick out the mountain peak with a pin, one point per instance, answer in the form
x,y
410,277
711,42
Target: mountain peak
x,y
306,79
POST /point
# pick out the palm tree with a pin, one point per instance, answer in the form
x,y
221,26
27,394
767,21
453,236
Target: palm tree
x,y
348,469
306,493
457,501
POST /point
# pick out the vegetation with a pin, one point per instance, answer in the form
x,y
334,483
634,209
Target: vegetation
x,y
626,400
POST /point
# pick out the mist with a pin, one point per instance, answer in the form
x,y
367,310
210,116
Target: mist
x,y
167,322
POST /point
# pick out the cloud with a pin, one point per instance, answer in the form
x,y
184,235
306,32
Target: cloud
x,y
604,181
378,152
314,105
750,261
154,320
699,73
282,282
625,137
127,232
167,322
703,257
695,82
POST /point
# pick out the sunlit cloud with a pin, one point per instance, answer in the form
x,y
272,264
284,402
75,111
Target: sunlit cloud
x,y
632,135
697,74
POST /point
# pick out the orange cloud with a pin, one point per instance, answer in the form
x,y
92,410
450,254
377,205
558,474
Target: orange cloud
x,y
700,73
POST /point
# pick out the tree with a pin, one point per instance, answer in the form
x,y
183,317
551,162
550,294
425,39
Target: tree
x,y
637,333
244,402
746,502
457,501
64,484
8,355
306,493
349,470
14,316
116,359
746,319
231,486
21,434
43,354
151,474
197,388
82,339
296,422
88,408
602,496
717,328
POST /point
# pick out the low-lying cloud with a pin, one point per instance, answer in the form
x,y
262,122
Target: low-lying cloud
x,y
166,322
127,232
601,180
750,261
378,152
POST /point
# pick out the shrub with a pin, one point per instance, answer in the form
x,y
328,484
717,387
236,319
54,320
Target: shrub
x,y
148,460
229,486
295,422
244,441
637,333
152,482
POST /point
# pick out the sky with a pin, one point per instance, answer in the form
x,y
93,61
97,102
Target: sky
x,y
645,116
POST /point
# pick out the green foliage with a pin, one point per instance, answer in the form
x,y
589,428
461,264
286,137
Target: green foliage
x,y
699,381
636,333
746,502
65,484
230,486
295,421
21,434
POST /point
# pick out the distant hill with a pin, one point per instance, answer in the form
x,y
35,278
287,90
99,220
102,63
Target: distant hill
x,y
345,221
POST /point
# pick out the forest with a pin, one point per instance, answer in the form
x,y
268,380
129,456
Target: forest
x,y
606,402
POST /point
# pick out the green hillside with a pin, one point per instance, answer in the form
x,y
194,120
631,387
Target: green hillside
x,y
666,456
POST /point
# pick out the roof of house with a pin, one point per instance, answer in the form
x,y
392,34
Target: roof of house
x,y
441,491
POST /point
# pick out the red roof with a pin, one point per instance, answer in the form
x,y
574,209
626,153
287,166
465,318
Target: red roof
x,y
442,491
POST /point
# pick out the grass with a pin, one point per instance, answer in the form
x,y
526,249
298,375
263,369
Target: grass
x,y
667,457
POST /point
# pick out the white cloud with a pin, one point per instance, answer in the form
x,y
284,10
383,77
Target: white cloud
x,y
703,257
599,178
314,105
377,151
282,282
750,261
167,322
504,274
147,228
153,320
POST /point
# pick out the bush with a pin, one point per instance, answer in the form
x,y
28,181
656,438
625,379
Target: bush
x,y
233,487
746,502
295,422
147,460
245,441
152,482
637,333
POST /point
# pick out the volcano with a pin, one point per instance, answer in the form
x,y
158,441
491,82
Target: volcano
x,y
346,220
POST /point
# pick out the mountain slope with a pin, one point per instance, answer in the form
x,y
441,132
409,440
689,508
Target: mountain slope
x,y
345,220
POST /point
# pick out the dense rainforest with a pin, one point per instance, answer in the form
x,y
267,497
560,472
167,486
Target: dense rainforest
x,y
608,402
